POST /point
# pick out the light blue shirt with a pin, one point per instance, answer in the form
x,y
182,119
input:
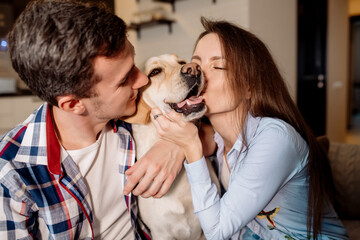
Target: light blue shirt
x,y
267,192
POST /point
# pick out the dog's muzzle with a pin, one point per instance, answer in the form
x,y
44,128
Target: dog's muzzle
x,y
193,102
191,72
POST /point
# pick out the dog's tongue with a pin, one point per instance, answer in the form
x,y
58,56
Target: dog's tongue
x,y
190,101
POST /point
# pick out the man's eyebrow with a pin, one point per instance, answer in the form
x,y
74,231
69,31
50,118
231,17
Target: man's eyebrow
x,y
127,75
129,72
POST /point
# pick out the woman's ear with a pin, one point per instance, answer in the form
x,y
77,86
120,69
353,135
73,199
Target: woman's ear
x,y
69,103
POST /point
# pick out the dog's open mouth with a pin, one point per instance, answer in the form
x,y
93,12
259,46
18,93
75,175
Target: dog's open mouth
x,y
192,103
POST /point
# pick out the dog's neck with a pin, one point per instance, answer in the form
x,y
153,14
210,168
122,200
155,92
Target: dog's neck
x,y
142,114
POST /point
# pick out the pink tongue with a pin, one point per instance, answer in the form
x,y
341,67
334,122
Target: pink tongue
x,y
190,101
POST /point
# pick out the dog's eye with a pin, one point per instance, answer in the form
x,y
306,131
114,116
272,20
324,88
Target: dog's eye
x,y
182,62
154,72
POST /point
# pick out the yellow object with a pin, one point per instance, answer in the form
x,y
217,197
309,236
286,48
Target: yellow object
x,y
142,114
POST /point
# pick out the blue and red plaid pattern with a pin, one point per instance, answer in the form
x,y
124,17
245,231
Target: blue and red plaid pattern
x,y
42,197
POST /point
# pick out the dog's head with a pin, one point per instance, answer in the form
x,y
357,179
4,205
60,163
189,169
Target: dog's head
x,y
175,84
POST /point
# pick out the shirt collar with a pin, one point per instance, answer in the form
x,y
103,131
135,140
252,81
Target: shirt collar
x,y
251,124
53,145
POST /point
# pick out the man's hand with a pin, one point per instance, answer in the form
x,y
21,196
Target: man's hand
x,y
153,174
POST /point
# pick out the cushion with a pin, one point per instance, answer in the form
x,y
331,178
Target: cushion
x,y
353,227
345,166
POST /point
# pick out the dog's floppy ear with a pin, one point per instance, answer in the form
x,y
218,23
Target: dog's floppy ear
x,y
142,114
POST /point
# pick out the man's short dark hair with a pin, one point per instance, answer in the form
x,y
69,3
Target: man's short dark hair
x,y
54,42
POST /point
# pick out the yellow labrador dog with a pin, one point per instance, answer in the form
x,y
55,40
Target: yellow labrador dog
x,y
177,85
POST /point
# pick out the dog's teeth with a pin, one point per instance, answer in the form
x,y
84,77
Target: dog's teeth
x,y
188,103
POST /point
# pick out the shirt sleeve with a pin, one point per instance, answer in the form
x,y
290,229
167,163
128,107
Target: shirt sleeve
x,y
271,160
14,221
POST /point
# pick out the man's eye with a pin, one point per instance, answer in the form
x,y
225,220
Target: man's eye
x,y
154,72
125,81
220,68
182,62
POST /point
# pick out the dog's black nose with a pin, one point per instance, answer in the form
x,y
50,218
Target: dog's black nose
x,y
191,69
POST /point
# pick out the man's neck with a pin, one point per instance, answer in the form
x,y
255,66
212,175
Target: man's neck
x,y
75,131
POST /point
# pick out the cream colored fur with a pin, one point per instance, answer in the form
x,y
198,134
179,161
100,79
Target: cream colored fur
x,y
169,217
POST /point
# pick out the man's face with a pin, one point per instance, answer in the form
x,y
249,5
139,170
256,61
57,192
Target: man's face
x,y
117,90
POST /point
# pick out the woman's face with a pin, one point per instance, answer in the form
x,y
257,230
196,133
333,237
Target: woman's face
x,y
217,95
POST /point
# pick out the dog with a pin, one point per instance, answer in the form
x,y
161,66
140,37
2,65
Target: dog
x,y
175,84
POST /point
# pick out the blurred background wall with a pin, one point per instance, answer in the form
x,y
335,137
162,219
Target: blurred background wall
x,y
273,21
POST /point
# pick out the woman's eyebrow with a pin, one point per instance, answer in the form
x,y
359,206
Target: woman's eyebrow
x,y
217,58
212,58
196,57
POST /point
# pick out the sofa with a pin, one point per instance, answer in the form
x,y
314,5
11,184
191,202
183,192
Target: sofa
x,y
344,161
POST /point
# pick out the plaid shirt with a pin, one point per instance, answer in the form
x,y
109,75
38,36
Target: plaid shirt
x,y
38,191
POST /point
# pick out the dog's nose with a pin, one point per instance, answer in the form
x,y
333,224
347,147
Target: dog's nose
x,y
191,69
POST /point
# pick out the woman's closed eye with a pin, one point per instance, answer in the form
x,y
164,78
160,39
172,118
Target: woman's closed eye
x,y
219,67
219,64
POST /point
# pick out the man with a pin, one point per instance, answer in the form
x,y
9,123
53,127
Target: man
x,y
62,171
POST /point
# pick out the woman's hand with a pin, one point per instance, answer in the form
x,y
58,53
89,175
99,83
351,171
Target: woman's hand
x,y
173,128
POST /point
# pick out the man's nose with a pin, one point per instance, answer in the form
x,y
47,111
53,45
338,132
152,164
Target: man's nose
x,y
140,80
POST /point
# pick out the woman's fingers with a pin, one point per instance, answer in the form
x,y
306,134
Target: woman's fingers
x,y
174,116
169,114
160,120
171,127
156,114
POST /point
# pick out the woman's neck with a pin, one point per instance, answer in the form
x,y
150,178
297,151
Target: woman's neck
x,y
227,126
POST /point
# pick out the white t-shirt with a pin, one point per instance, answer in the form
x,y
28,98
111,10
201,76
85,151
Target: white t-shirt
x,y
99,165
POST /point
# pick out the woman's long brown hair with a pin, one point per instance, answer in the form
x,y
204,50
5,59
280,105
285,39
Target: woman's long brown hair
x,y
250,66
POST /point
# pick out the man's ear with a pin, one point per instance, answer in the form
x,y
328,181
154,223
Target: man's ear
x,y
69,103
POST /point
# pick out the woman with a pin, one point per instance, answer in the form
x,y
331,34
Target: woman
x,y
276,176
